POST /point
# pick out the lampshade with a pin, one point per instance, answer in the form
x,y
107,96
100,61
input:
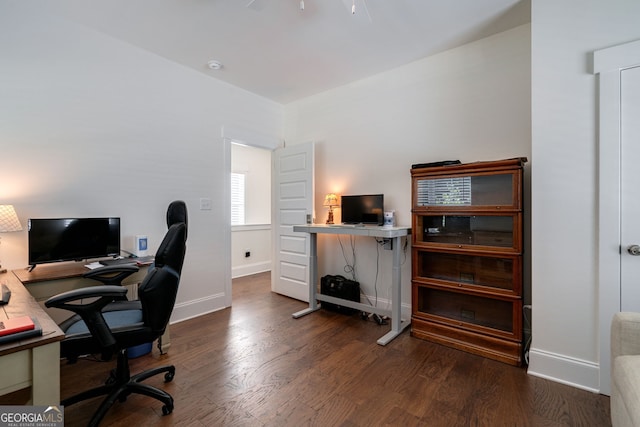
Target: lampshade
x,y
8,219
330,200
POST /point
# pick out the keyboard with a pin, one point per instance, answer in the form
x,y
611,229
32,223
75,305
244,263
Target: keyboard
x,y
131,260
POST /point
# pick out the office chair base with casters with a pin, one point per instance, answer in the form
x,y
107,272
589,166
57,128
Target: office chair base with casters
x,y
121,384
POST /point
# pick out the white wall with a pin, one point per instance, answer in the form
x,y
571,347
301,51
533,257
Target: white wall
x,y
255,237
93,126
90,125
564,168
470,103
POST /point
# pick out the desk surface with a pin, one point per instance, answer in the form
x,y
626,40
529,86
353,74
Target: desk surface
x,y
366,230
21,304
41,273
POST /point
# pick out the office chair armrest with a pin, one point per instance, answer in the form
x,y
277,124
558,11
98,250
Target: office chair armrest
x,y
61,300
111,274
91,311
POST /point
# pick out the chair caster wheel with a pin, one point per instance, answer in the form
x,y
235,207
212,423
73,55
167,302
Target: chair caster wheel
x,y
167,409
112,378
169,376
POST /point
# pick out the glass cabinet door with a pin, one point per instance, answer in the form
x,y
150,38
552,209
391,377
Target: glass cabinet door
x,y
460,309
489,273
462,230
469,190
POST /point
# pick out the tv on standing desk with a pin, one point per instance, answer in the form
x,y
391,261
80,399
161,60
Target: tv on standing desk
x,y
363,209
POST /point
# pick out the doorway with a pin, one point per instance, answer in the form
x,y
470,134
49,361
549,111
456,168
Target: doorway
x,y
250,210
291,168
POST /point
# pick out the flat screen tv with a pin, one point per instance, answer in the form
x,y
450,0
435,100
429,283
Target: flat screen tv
x,y
363,209
72,239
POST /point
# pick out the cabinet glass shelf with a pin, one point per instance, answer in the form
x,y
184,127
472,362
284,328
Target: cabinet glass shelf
x,y
479,230
460,309
482,272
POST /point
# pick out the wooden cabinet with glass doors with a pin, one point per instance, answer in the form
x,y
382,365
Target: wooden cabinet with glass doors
x,y
467,223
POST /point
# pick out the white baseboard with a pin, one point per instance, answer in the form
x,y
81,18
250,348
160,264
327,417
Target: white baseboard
x,y
405,309
563,369
249,269
190,309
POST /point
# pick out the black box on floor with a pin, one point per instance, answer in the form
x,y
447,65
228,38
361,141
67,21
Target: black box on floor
x,y
339,287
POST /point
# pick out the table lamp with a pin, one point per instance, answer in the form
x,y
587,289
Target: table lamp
x,y
330,200
8,222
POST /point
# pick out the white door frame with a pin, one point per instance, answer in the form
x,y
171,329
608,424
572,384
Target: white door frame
x,y
227,218
608,64
231,134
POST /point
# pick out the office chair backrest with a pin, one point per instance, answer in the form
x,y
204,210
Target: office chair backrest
x,y
158,290
177,212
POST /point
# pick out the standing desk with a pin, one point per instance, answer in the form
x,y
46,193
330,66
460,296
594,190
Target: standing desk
x,y
395,233
32,362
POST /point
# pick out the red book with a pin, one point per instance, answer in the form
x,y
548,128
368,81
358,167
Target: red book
x,y
16,324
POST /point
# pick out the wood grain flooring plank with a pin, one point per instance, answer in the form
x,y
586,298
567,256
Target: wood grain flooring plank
x,y
254,365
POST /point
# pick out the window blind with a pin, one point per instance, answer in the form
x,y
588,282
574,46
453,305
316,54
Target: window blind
x,y
444,191
237,198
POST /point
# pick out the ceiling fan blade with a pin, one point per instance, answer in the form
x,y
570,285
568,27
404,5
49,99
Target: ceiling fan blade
x,y
360,5
366,9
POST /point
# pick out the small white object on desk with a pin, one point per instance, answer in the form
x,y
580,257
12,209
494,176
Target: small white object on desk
x,y
93,265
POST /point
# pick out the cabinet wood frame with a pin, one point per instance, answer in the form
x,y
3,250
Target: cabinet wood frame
x,y
504,342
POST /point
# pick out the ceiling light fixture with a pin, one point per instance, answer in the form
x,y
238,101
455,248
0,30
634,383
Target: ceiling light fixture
x,y
214,65
353,11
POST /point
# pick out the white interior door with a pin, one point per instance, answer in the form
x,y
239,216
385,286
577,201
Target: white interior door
x,y
630,189
614,168
292,205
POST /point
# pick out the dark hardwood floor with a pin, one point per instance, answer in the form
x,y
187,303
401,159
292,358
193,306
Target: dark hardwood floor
x,y
254,365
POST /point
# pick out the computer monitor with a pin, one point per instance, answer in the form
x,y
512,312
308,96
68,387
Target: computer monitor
x,y
72,239
363,209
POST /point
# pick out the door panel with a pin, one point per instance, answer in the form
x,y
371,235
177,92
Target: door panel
x,y
293,205
630,188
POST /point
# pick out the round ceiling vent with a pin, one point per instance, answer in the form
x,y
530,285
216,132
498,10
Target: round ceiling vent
x,y
214,65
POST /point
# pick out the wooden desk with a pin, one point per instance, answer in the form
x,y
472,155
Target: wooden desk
x,y
394,233
32,362
48,280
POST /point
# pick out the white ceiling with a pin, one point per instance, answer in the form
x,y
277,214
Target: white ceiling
x,y
273,49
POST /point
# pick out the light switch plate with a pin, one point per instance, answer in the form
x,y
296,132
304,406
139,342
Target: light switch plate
x,y
205,204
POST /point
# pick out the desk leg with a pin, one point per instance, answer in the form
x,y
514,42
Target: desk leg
x,y
45,387
313,277
397,324
164,342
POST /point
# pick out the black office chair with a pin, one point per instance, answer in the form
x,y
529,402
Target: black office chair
x,y
177,212
107,327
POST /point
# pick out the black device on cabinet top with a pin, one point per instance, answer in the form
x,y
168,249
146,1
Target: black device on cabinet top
x,y
72,239
363,209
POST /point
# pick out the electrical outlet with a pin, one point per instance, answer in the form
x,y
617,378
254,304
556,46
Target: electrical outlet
x,y
387,244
